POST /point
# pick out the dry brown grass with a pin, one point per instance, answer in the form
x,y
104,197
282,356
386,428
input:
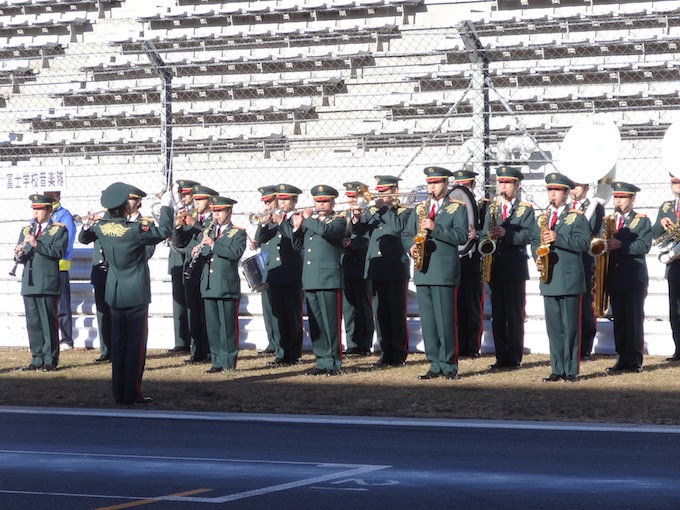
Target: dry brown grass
x,y
650,397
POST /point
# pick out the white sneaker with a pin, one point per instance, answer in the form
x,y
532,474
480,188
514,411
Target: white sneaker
x,y
63,346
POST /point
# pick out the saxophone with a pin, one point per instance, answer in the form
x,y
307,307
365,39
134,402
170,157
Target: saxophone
x,y
543,251
488,247
598,249
421,236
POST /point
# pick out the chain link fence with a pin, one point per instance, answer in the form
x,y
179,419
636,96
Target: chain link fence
x,y
309,93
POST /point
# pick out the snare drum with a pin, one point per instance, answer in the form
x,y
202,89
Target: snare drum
x,y
253,271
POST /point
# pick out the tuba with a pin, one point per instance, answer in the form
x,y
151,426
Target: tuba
x,y
669,244
420,239
543,250
488,247
598,249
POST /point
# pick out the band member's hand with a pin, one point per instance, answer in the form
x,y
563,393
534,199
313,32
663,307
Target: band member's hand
x,y
472,233
613,244
30,239
380,203
497,231
549,236
180,219
356,215
666,222
413,250
208,241
427,224
275,218
297,221
195,250
18,249
307,212
188,220
346,241
168,199
254,245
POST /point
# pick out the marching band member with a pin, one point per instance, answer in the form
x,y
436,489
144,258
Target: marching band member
x,y
41,245
470,300
180,313
580,202
627,278
283,275
321,242
446,223
356,296
668,216
195,222
567,233
221,251
387,268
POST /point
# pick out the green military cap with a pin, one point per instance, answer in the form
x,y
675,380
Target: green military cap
x,y
674,179
41,201
437,172
135,192
351,187
556,180
287,190
200,191
184,185
464,175
624,189
218,203
323,193
115,195
508,173
267,192
386,181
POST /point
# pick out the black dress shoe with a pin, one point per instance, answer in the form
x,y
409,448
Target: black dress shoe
x,y
451,376
193,360
178,349
278,362
474,355
552,378
49,368
381,363
331,372
214,370
675,357
615,370
429,375
572,378
265,352
102,359
143,400
355,351
637,370
316,371
497,366
29,368
586,356
515,366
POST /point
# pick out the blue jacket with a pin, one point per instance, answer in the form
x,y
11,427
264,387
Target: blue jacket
x,y
61,215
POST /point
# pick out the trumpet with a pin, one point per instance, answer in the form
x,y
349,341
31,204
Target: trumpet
x,y
82,220
257,218
365,197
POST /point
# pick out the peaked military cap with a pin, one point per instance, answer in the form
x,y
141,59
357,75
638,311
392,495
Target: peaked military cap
x,y
674,179
41,201
351,187
267,192
115,195
509,172
287,190
386,181
556,180
184,185
436,173
135,192
200,191
322,192
624,189
217,203
464,175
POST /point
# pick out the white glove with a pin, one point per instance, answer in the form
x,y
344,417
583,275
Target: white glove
x,y
168,200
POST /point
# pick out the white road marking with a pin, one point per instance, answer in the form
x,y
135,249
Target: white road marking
x,y
339,489
349,420
71,494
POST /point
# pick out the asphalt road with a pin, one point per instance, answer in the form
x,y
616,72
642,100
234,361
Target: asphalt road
x,y
79,459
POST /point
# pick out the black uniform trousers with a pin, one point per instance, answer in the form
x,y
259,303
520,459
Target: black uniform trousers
x,y
267,315
357,313
470,306
129,330
64,312
507,313
629,315
196,320
588,320
674,312
43,333
179,311
286,309
389,310
103,321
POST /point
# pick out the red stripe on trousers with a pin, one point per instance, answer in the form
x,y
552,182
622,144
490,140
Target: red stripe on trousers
x,y
339,295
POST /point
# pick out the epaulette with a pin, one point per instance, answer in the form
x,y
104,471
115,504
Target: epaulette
x,y
526,204
340,215
640,215
59,224
456,201
578,211
482,200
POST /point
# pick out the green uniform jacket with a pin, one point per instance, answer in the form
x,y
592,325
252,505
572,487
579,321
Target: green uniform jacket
x,y
510,260
566,275
284,263
321,242
41,264
128,283
219,279
441,264
667,210
354,256
627,266
187,237
386,259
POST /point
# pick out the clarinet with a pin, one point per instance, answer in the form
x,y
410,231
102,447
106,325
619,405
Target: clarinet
x,y
190,268
13,272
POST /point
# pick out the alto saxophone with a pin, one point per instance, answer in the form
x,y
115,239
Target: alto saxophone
x,y
488,247
543,250
421,236
598,249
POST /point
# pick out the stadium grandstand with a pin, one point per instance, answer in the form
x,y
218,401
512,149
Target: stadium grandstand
x,y
238,94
